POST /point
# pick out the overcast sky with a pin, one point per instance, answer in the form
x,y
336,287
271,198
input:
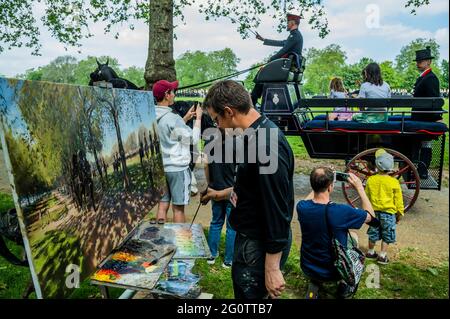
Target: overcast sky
x,y
351,22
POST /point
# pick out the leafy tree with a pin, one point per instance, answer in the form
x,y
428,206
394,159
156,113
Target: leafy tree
x,y
32,74
444,69
390,75
322,66
66,69
198,66
351,76
408,53
134,74
406,66
69,20
60,70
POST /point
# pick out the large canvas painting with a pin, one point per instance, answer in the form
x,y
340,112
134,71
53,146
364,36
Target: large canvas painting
x,y
84,166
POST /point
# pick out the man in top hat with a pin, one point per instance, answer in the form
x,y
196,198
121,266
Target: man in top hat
x,y
427,84
294,43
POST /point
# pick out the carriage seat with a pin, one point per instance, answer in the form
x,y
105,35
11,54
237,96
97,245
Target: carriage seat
x,y
394,125
288,69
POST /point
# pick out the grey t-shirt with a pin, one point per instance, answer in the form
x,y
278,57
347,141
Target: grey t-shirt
x,y
337,95
372,91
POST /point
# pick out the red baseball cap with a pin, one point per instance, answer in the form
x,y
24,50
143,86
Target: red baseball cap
x,y
161,87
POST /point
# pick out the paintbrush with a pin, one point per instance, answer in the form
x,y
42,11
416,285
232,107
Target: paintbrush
x,y
156,259
198,207
195,215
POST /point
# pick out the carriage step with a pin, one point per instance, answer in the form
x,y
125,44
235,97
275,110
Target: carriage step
x,y
429,183
426,183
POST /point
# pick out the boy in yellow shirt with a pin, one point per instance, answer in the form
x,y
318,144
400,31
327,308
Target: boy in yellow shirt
x,y
385,195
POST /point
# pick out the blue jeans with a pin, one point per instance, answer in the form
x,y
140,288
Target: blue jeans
x,y
220,210
386,231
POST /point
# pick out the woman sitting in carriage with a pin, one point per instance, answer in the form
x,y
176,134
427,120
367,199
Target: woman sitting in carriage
x,y
373,88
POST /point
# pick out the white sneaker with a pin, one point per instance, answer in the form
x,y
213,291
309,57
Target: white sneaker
x,y
211,261
226,265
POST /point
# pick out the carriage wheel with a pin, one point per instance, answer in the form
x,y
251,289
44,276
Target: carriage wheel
x,y
363,166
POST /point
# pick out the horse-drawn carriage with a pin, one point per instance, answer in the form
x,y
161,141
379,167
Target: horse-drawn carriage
x,y
417,146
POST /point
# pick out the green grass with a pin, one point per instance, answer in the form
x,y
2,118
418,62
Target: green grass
x,y
410,276
406,278
298,148
6,202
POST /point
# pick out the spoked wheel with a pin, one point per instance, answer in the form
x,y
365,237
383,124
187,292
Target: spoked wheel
x,y
363,166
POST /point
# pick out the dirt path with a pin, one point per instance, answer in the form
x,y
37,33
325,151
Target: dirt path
x,y
424,228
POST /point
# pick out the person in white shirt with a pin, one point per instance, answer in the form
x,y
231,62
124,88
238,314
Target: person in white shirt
x,y
373,88
175,138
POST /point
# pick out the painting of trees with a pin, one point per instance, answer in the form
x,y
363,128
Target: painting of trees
x,y
58,139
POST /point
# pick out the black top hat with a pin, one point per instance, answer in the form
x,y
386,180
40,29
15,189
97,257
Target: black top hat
x,y
424,54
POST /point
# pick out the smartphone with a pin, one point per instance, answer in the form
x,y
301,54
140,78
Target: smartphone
x,y
342,177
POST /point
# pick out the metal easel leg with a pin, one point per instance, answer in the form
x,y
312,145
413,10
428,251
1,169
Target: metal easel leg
x,y
104,291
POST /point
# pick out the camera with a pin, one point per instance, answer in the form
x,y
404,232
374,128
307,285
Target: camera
x,y
342,177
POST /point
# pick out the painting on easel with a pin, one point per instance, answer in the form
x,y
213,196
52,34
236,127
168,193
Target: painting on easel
x,y
85,168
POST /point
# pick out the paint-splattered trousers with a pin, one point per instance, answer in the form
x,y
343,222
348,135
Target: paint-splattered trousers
x,y
248,267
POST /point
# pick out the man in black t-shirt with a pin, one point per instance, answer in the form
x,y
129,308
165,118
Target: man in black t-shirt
x,y
263,194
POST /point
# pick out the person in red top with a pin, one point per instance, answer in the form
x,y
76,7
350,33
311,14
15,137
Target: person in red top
x,y
427,85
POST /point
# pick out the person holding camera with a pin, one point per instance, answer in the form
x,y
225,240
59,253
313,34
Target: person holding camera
x,y
316,256
175,138
385,195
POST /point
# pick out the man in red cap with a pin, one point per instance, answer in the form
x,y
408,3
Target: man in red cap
x,y
175,138
293,44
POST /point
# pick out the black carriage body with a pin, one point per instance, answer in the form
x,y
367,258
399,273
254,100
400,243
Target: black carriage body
x,y
326,139
340,145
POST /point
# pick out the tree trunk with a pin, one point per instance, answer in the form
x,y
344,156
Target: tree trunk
x,y
94,151
126,178
160,63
